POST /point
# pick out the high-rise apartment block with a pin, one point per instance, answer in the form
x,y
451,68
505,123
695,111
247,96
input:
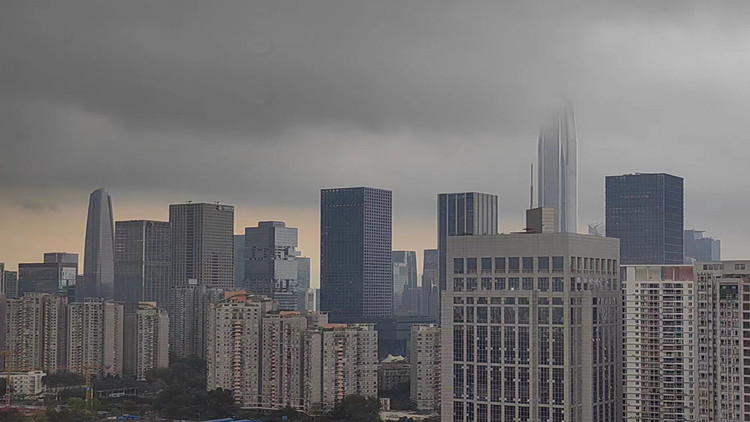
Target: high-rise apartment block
x,y
143,263
646,212
461,214
35,332
57,274
531,329
404,279
659,343
424,356
188,318
202,244
99,254
700,248
356,273
146,344
558,170
271,264
95,336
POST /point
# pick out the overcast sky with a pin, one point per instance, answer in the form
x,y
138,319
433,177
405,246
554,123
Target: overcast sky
x,y
261,104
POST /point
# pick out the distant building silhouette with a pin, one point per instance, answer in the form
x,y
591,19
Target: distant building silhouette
x,y
700,248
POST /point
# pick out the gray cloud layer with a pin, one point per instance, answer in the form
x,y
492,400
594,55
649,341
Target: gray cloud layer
x,y
268,101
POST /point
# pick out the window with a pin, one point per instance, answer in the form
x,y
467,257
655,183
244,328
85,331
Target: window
x,y
458,284
528,264
558,264
739,266
500,265
543,284
528,283
543,264
500,283
458,265
486,265
558,285
513,283
471,265
513,264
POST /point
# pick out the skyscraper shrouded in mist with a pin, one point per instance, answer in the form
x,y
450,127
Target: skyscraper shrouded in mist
x,y
202,244
271,262
99,253
646,212
356,273
143,261
557,169
460,214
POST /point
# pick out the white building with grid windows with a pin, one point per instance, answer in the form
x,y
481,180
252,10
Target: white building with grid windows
x,y
531,329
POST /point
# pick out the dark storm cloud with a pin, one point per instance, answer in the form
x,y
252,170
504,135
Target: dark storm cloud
x,y
267,101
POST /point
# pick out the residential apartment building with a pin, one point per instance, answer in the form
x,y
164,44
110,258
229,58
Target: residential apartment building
x,y
188,318
531,329
659,342
24,384
146,340
424,356
35,334
95,336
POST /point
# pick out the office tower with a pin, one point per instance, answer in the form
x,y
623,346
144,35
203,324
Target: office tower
x,y
645,211
9,285
430,301
722,341
188,318
99,253
239,260
658,356
150,348
469,213
340,360
404,276
95,336
531,329
234,355
308,300
305,293
356,273
57,274
700,248
540,220
424,355
202,244
270,262
143,261
35,333
558,170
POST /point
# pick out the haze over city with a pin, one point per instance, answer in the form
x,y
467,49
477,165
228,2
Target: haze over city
x,y
261,104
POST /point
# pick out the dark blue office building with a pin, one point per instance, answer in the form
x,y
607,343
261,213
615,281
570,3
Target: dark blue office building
x,y
356,272
646,212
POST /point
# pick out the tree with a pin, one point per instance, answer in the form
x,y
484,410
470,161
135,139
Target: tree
x,y
356,409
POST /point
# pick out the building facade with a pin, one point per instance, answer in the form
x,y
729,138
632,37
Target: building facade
x,y
462,214
271,262
531,329
646,212
35,334
9,285
424,355
24,384
202,244
143,261
48,277
659,342
356,273
152,339
404,279
99,253
558,170
700,248
95,337
188,318
430,300
239,260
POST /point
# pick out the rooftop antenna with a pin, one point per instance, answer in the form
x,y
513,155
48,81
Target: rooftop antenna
x,y
531,188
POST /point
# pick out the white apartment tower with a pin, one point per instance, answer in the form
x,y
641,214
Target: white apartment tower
x,y
659,342
531,329
35,332
151,339
424,354
95,336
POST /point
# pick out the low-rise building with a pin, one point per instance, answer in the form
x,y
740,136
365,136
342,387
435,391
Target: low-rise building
x,y
24,383
393,371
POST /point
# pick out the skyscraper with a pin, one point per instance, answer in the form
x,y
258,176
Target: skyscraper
x,y
404,278
430,301
99,254
270,262
469,213
202,244
143,261
700,248
95,336
57,274
356,273
558,170
9,284
239,260
645,211
531,329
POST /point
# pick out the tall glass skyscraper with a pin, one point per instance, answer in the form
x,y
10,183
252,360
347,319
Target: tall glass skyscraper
x,y
460,214
143,261
558,170
645,211
99,254
356,273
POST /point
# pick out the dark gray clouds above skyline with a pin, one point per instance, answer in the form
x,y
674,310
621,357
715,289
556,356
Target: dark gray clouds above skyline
x,y
265,102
